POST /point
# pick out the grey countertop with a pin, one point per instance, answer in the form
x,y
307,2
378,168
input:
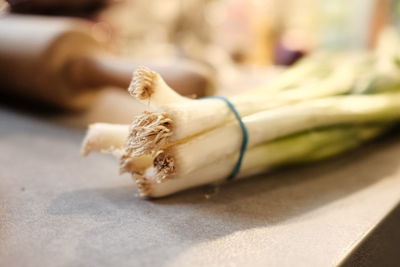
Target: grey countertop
x,y
59,209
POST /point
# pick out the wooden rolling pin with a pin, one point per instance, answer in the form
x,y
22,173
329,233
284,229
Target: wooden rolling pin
x,y
59,61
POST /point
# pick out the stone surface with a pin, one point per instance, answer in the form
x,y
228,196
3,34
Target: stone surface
x,y
59,209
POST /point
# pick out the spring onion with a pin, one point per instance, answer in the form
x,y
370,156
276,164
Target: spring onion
x,y
182,143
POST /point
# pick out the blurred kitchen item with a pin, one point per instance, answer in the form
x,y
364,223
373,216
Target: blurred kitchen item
x,y
3,6
60,61
381,17
160,29
82,8
246,29
395,13
345,24
286,55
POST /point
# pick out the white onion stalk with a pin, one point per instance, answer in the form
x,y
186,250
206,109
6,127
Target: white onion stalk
x,y
267,125
310,145
105,138
179,117
304,147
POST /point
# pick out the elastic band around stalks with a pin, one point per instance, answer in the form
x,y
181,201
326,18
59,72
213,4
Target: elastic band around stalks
x,y
245,135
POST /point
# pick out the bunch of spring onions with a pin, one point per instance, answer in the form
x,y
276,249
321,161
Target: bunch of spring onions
x,y
325,105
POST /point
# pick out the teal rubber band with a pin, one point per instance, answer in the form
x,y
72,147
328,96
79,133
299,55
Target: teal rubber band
x,y
245,135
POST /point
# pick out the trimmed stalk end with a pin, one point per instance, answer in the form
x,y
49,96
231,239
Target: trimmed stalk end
x,y
148,134
92,141
143,185
143,82
164,164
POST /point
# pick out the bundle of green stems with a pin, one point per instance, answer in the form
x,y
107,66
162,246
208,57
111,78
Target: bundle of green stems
x,y
326,104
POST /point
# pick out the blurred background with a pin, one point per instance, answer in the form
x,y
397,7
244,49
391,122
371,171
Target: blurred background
x,y
79,56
